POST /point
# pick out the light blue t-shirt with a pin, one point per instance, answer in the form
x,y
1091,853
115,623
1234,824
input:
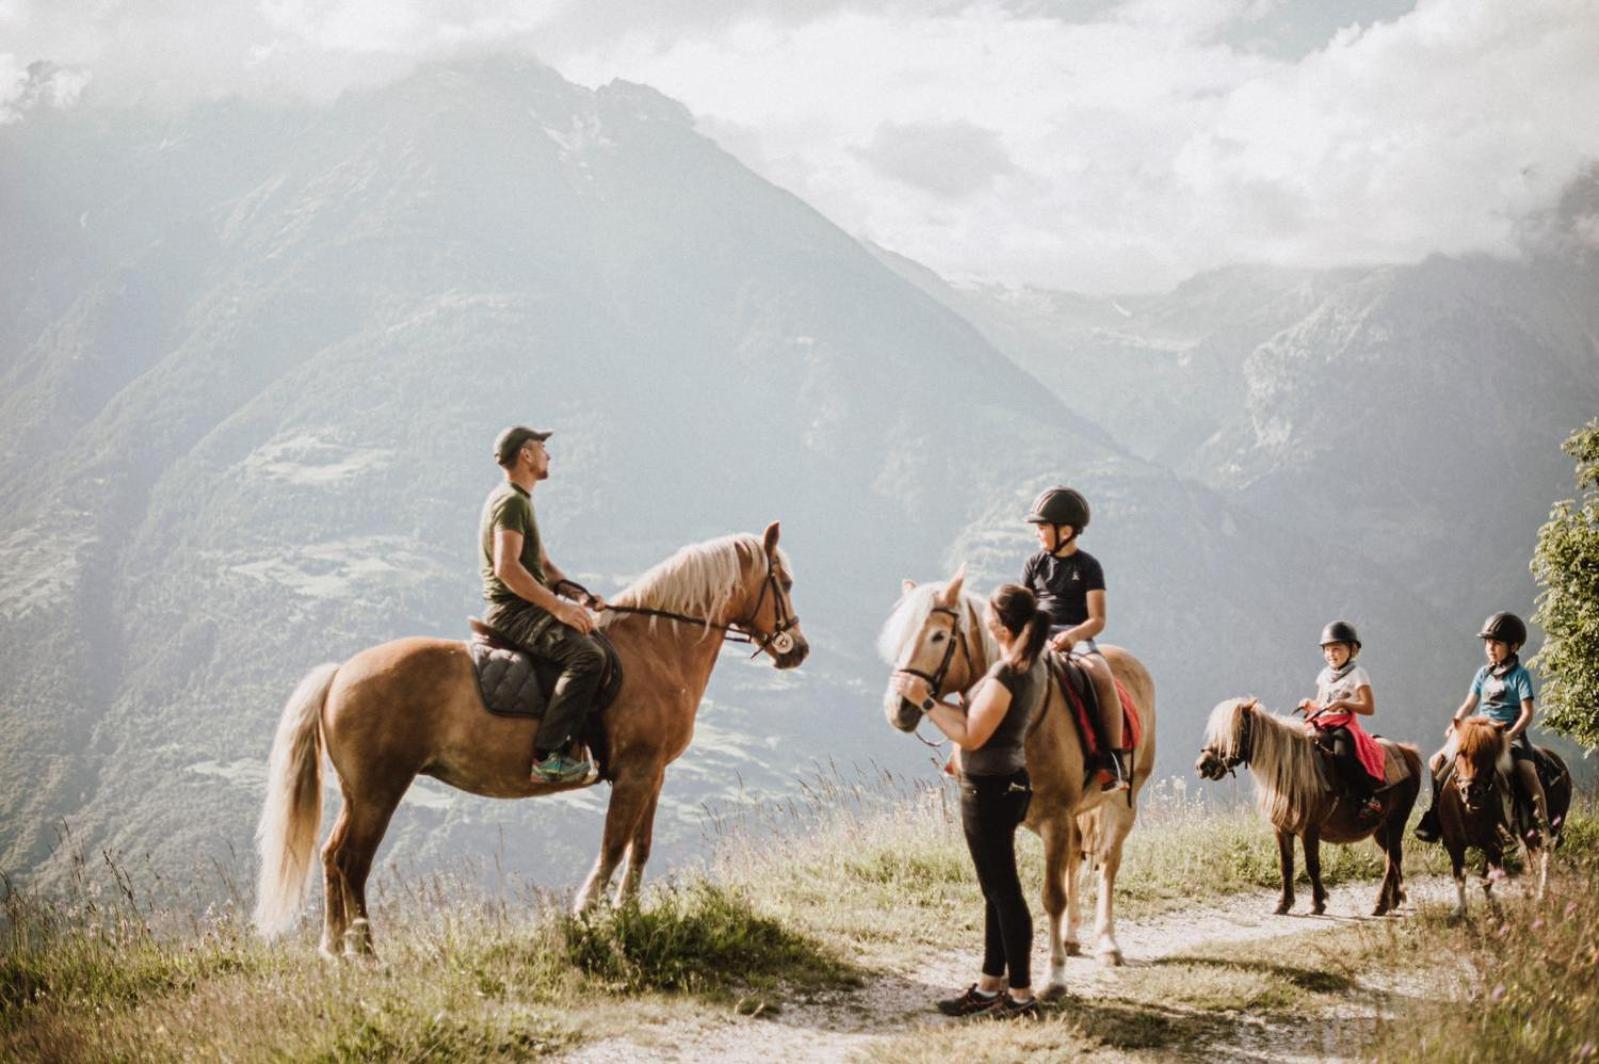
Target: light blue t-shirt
x,y
1500,697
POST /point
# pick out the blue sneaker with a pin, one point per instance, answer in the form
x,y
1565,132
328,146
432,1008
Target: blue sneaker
x,y
559,768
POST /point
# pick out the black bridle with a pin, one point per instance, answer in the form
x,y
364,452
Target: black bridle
x,y
777,642
935,679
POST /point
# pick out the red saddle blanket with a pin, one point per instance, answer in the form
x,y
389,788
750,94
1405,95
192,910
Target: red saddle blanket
x,y
1370,754
1088,728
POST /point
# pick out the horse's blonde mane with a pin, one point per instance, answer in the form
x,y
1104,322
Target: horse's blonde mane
x,y
698,581
1282,759
911,613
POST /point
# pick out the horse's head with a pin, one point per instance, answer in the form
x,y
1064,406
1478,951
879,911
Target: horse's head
x,y
935,632
1479,746
1228,737
772,622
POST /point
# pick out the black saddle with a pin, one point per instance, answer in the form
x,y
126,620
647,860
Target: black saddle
x,y
514,683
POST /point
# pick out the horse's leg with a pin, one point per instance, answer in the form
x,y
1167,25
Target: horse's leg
x,y
1388,893
1110,860
368,818
1073,880
335,918
1318,893
1285,865
1457,865
1058,865
630,795
638,850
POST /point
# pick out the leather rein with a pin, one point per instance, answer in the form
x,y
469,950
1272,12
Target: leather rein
x,y
777,641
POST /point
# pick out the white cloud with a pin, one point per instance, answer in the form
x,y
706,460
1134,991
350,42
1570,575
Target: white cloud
x,y
1143,148
1089,144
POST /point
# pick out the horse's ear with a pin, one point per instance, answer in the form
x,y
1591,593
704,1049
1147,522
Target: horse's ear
x,y
952,590
1250,705
769,540
907,586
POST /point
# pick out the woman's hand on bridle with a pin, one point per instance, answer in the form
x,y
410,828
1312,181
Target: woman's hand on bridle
x,y
911,688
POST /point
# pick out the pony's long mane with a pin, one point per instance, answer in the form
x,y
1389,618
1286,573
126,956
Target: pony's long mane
x,y
911,613
1479,741
1282,758
697,581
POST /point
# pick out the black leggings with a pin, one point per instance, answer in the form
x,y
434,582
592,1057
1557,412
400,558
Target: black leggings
x,y
1357,782
992,808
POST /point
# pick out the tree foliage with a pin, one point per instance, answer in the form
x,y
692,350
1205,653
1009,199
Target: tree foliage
x,y
1566,565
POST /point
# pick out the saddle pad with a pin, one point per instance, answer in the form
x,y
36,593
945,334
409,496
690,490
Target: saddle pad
x,y
1395,768
507,681
1087,727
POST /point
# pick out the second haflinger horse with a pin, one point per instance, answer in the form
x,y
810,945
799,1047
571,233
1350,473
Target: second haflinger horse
x,y
936,631
1292,793
412,707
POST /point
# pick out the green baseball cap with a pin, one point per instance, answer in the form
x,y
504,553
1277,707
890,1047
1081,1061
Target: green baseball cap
x,y
513,439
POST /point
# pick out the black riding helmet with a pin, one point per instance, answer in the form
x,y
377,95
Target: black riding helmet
x,y
1505,627
1060,506
1340,632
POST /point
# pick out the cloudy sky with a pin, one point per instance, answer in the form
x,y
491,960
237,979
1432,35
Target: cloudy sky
x,y
1097,145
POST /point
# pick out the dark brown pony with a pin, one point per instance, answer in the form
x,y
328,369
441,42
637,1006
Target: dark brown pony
x,y
411,707
1475,808
1291,794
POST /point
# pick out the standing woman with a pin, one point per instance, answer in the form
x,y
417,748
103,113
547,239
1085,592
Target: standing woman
x,y
995,791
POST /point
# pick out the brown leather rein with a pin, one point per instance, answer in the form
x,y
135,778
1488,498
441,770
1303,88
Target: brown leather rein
x,y
777,641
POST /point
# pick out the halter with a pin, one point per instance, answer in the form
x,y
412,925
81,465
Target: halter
x,y
957,637
777,642
935,680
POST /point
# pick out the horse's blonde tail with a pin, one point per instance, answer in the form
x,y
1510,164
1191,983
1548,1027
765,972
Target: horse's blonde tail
x,y
291,819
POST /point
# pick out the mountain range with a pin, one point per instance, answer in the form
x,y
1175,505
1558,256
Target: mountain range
x,y
253,358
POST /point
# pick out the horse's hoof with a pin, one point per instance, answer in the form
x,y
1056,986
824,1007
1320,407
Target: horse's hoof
x,y
1053,992
1318,908
1074,949
1282,908
1112,958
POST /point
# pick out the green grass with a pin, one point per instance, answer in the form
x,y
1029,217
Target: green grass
x,y
868,878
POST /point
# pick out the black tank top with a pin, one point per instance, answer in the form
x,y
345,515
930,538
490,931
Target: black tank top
x,y
1005,753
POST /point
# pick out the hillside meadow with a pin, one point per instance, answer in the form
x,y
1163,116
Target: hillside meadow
x,y
807,905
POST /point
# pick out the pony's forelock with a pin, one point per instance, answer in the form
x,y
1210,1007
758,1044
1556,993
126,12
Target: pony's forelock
x,y
911,613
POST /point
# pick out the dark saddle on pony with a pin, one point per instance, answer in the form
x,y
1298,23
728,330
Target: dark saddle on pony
x,y
513,683
1082,700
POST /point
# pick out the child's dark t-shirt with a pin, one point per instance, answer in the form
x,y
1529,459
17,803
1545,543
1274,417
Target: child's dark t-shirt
x,y
1062,584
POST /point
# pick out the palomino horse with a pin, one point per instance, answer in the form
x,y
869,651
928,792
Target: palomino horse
x,y
937,632
1290,793
411,707
1476,809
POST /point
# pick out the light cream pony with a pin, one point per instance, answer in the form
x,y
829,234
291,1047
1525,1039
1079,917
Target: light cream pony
x,y
1075,820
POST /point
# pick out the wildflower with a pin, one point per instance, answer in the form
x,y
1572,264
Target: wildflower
x,y
1537,925
1498,994
1495,874
1571,907
1585,1051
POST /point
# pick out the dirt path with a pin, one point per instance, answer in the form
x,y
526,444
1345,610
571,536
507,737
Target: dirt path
x,y
842,1024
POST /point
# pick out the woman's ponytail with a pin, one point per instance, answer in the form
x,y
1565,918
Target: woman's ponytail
x,y
1018,611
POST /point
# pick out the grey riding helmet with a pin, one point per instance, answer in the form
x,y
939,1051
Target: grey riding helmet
x,y
1506,628
1340,632
1059,506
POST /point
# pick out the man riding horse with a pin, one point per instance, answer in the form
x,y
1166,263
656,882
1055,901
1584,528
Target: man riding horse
x,y
518,583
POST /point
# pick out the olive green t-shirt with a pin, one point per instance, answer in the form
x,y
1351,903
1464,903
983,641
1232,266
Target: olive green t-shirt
x,y
508,506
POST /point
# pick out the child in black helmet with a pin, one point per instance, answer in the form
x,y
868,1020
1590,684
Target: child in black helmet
x,y
1502,691
1070,587
1343,694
